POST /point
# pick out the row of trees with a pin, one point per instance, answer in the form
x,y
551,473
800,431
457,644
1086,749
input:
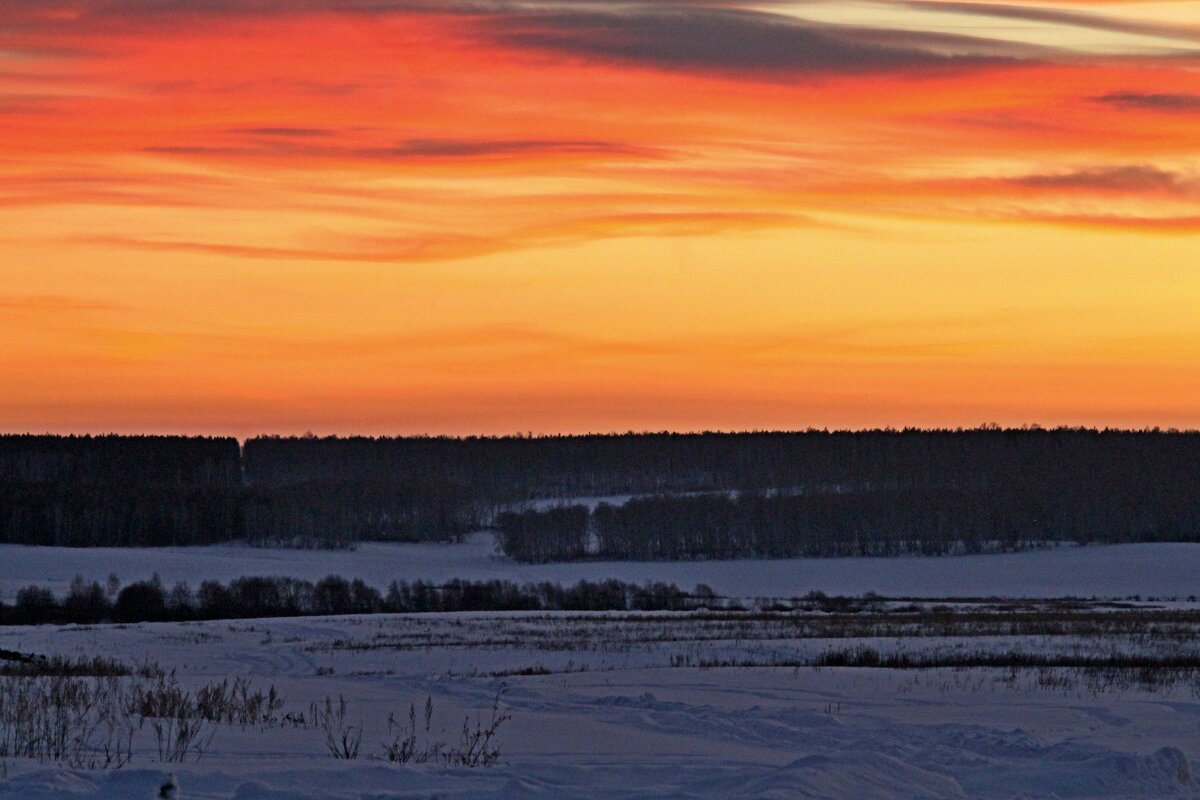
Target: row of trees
x,y
781,494
254,597
120,491
1012,515
983,485
559,533
140,491
504,469
338,512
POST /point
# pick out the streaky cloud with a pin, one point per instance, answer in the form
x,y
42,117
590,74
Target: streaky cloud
x,y
740,41
301,133
702,35
1168,225
276,142
466,148
1132,179
1167,102
433,247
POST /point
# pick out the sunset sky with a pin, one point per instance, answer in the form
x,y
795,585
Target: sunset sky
x,y
431,216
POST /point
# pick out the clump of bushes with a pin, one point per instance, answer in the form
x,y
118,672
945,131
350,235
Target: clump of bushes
x,y
86,714
476,747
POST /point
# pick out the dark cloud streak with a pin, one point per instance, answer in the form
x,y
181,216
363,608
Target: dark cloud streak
x,y
1132,179
467,148
698,35
300,133
722,40
1166,102
279,143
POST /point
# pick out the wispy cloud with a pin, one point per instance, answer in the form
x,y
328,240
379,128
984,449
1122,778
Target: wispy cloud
x,y
1093,19
433,246
1173,225
457,148
287,143
1131,178
1154,101
739,41
285,132
704,35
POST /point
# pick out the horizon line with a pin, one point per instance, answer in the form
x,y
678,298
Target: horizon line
x,y
530,435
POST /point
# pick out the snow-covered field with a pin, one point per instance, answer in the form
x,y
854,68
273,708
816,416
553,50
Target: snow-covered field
x,y
668,705
615,715
1153,570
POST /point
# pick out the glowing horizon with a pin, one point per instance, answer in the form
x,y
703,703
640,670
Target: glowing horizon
x,y
407,216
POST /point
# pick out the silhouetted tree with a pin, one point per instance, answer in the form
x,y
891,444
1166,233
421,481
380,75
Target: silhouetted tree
x,y
144,601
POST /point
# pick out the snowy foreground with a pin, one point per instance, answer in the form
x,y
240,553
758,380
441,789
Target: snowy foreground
x,y
1148,570
668,705
617,706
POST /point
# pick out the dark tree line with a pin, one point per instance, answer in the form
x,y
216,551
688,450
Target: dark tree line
x,y
556,534
498,470
338,512
138,491
813,492
866,491
905,492
256,597
125,491
1012,515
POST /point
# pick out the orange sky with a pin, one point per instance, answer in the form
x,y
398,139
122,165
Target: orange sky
x,y
408,216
